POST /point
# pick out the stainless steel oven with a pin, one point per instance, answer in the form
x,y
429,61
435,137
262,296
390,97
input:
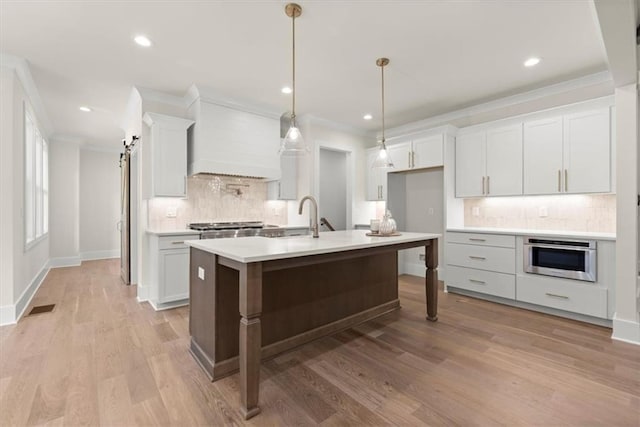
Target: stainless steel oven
x,y
571,259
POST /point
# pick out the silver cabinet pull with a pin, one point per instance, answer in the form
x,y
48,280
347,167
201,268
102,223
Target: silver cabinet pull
x,y
279,189
481,282
178,243
475,239
483,185
559,181
566,180
409,161
185,184
556,295
488,185
477,257
413,159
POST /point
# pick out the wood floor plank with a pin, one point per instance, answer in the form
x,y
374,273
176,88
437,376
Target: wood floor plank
x,y
102,358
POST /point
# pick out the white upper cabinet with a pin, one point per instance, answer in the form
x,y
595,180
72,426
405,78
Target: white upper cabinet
x,y
168,149
400,155
504,161
418,153
543,156
587,152
428,151
470,165
286,188
568,154
489,162
376,178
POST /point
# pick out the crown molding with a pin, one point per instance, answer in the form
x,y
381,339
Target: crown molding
x,y
335,125
211,96
161,97
508,101
21,67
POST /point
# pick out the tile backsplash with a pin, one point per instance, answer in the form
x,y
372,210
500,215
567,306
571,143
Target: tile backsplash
x,y
576,212
217,198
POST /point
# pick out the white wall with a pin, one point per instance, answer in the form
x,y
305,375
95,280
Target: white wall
x,y
64,224
6,188
626,321
99,204
319,133
22,277
333,188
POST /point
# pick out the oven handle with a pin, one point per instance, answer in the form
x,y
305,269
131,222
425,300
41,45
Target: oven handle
x,y
569,248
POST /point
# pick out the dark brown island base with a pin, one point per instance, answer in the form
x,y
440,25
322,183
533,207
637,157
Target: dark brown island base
x,y
255,297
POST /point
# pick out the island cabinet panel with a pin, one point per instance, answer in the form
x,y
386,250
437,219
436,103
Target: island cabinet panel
x,y
295,302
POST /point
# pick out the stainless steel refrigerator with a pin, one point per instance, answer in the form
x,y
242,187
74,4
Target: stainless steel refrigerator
x,y
125,211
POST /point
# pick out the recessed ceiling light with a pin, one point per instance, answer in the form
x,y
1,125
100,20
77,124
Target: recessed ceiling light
x,y
367,117
286,90
531,62
85,109
142,40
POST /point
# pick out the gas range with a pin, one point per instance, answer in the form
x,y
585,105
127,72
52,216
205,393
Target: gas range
x,y
218,230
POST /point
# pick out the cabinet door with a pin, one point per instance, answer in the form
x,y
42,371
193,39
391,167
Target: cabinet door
x,y
400,156
470,164
504,161
587,152
174,275
427,152
376,178
543,156
170,161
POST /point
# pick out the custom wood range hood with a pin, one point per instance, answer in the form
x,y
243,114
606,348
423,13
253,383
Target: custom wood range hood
x,y
231,139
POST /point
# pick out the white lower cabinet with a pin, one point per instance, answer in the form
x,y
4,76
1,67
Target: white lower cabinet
x,y
169,285
481,263
486,282
492,265
567,295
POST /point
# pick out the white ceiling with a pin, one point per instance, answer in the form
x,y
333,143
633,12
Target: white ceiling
x,y
444,54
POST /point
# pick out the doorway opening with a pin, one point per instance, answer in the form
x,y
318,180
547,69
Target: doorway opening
x,y
334,191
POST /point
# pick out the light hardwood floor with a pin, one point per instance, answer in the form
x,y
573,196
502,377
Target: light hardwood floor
x,y
101,358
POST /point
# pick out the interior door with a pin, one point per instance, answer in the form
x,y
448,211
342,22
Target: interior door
x,y
125,273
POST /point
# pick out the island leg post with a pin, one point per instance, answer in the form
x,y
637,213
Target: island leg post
x,y
250,337
431,279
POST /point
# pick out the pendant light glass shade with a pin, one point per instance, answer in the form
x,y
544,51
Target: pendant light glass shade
x,y
383,159
293,143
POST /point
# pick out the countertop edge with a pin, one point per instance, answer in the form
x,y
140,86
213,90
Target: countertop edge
x,y
537,233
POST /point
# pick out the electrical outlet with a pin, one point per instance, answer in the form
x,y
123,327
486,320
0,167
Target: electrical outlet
x,y
171,211
475,211
421,256
543,212
200,273
430,211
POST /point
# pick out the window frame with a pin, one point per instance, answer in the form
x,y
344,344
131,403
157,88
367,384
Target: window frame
x,y
34,209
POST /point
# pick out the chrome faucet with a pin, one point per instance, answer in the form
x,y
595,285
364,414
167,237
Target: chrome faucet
x,y
314,213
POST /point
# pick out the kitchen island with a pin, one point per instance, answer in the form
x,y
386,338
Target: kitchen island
x,y
254,297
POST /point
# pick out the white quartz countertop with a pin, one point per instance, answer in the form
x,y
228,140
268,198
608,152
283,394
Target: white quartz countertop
x,y
173,232
255,249
536,233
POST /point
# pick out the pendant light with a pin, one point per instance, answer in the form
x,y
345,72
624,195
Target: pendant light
x,y
383,160
293,143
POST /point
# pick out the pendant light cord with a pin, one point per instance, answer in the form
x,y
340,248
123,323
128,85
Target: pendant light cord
x,y
293,92
382,70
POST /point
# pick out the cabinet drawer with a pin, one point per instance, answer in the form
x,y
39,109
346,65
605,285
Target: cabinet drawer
x,y
568,295
501,260
175,242
486,282
482,239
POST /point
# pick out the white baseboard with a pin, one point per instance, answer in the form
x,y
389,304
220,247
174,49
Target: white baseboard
x,y
70,261
626,330
93,255
143,293
10,314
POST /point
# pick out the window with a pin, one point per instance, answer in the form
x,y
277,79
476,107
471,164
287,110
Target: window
x,y
36,182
